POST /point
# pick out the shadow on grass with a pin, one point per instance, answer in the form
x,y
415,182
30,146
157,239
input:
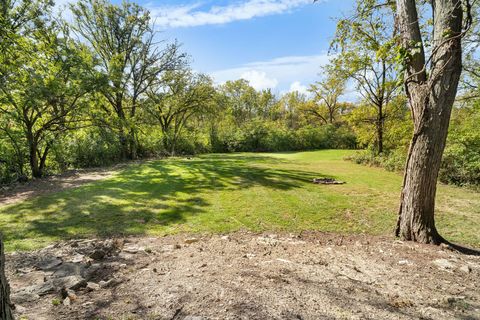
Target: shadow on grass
x,y
158,194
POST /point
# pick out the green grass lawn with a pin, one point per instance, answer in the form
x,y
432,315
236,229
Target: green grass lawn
x,y
222,193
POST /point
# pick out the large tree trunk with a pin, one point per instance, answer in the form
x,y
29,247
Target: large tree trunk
x,y
5,305
431,98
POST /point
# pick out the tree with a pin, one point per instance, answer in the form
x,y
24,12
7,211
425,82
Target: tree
x,y
397,125
123,39
366,42
41,96
240,100
178,97
5,304
431,86
326,94
290,107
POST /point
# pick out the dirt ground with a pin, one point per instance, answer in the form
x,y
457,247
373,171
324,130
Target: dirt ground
x,y
245,276
18,192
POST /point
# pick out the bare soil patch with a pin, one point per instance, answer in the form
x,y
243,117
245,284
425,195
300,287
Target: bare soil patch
x,y
70,179
245,276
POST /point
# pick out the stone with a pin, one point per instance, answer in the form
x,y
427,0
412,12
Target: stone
x,y
110,283
191,240
48,263
23,296
69,282
78,258
92,286
132,249
34,277
66,301
443,264
68,293
466,269
69,269
268,241
20,309
39,289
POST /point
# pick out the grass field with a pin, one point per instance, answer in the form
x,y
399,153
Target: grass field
x,y
222,193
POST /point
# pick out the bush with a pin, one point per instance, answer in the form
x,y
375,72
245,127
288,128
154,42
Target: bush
x,y
270,137
93,148
461,160
391,161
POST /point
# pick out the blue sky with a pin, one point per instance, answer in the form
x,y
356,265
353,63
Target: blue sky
x,y
278,44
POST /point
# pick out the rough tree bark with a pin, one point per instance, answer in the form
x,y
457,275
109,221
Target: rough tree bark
x,y
5,304
431,94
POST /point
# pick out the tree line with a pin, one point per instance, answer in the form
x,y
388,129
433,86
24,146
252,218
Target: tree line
x,y
105,87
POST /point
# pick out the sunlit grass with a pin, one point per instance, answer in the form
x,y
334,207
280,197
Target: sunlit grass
x,y
223,193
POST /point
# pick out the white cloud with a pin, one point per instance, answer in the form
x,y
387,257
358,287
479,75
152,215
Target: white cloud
x,y
192,15
281,72
299,87
259,80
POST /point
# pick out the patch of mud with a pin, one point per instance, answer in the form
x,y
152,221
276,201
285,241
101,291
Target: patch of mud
x,y
247,276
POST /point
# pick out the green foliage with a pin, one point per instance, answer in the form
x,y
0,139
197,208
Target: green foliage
x,y
98,90
391,161
397,125
93,148
261,136
461,161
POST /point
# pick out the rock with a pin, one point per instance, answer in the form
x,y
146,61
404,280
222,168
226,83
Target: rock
x,y
48,263
69,282
38,289
66,301
20,309
443,264
23,297
132,249
97,254
268,241
69,269
110,283
194,318
404,262
466,269
78,258
92,286
34,277
225,238
191,240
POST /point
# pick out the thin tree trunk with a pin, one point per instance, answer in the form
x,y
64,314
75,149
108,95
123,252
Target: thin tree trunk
x,y
380,130
33,158
431,98
5,304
